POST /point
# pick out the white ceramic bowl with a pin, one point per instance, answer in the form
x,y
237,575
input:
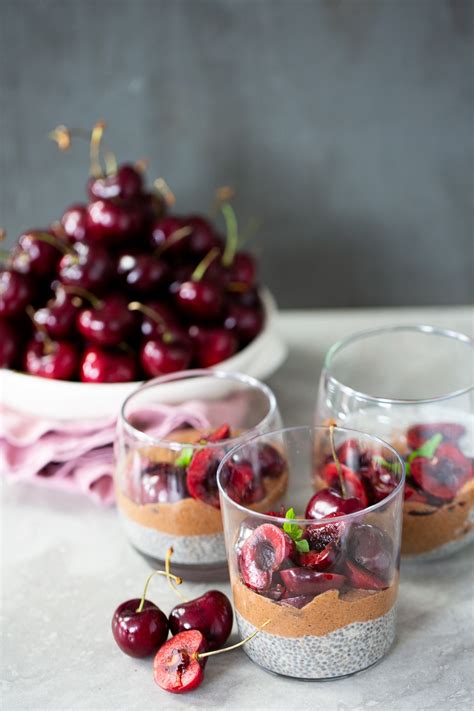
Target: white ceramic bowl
x,y
64,400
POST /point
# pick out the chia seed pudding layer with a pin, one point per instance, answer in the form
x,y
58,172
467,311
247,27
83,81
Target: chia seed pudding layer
x,y
187,550
344,651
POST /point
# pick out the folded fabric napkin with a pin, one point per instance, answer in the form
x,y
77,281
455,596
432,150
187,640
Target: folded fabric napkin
x,y
78,455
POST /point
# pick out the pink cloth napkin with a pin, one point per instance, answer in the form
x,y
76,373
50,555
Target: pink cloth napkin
x,y
77,456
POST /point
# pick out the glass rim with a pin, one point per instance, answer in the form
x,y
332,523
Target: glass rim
x,y
235,376
417,328
312,521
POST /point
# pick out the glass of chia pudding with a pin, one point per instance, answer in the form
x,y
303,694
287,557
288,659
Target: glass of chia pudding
x,y
171,435
414,387
317,573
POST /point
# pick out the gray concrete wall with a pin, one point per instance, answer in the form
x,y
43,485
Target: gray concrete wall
x,y
346,126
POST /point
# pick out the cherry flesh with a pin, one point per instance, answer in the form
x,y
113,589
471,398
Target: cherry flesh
x,y
263,553
177,667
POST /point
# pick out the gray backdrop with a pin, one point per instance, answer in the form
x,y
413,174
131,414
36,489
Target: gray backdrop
x,y
346,126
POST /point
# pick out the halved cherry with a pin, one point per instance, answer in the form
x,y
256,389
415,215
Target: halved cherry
x,y
262,553
319,560
301,581
299,601
361,578
222,432
415,495
241,483
201,477
371,549
270,461
418,434
444,474
177,666
353,483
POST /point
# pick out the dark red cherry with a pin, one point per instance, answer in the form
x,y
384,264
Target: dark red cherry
x,y
16,292
51,359
89,267
126,183
111,223
329,501
299,601
243,269
349,454
418,434
180,274
139,634
210,613
177,666
321,560
444,474
203,237
143,274
371,549
214,345
248,297
10,342
302,581
354,486
379,481
162,482
242,484
270,462
159,356
415,495
362,579
166,320
107,323
202,300
58,317
263,553
201,477
245,321
74,222
102,366
35,255
324,550
163,237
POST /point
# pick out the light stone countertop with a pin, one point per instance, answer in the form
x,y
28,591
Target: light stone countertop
x,y
66,565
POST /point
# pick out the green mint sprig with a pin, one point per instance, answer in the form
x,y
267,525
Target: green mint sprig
x,y
295,532
427,450
390,466
185,457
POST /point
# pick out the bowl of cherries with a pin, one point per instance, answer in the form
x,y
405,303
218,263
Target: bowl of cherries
x,y
122,289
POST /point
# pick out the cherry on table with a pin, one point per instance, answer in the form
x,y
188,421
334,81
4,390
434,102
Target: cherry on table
x,y
99,365
177,666
210,613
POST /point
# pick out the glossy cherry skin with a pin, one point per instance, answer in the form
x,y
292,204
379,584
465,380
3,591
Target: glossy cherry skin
x,y
354,485
177,666
213,345
159,357
203,237
160,234
372,549
126,183
16,292
245,321
89,267
101,366
58,317
142,273
444,474
243,269
36,256
9,344
139,634
74,222
56,360
210,613
330,501
201,300
107,324
113,222
302,581
153,328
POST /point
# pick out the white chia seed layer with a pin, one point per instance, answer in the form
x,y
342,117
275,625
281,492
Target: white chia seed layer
x,y
187,550
444,551
344,651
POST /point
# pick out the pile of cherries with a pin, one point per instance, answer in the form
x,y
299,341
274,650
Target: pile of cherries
x,y
195,475
120,290
200,627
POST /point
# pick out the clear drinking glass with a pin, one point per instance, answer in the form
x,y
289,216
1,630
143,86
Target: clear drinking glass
x,y
321,567
172,433
413,386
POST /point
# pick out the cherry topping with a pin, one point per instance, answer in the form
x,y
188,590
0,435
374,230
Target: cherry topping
x,y
444,474
354,487
51,359
418,434
263,553
241,483
301,581
270,462
210,613
201,477
329,501
371,549
162,482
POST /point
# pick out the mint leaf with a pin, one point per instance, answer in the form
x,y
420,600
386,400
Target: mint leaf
x,y
390,466
427,449
185,457
294,531
302,546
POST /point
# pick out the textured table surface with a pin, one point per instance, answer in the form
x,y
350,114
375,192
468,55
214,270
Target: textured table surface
x,y
66,565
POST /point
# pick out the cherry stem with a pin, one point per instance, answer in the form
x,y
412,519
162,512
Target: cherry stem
x,y
174,237
342,483
48,342
203,265
162,187
110,163
169,553
151,313
223,194
198,655
141,165
94,150
53,241
84,294
177,580
62,135
232,234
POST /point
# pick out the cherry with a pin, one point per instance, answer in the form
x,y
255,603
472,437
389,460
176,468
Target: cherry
x,y
162,356
444,474
142,273
243,269
58,317
299,601
247,322
371,549
362,579
263,553
301,581
329,501
170,236
110,222
107,322
248,297
38,253
139,627
418,434
198,298
353,485
324,546
162,482
102,366
51,359
202,238
180,275
415,495
270,462
241,483
210,613
74,222
162,320
16,292
9,344
213,346
349,454
201,477
380,482
88,267
126,182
